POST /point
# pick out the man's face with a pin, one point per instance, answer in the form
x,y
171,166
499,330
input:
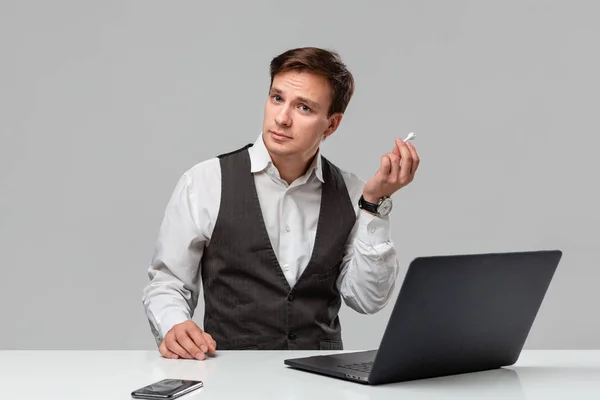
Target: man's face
x,y
295,119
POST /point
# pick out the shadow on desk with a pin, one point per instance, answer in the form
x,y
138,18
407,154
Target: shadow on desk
x,y
509,383
567,373
545,382
493,384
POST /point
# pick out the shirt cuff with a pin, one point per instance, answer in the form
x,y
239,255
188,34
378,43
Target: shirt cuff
x,y
372,229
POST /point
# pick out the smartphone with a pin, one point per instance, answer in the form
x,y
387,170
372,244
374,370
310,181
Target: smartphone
x,y
166,389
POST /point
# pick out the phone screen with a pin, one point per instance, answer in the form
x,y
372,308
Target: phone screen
x,y
167,388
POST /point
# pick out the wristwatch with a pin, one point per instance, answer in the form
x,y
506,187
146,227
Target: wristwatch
x,y
381,209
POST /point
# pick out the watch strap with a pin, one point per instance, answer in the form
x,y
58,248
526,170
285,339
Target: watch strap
x,y
368,206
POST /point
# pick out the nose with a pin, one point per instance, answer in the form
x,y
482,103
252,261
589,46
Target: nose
x,y
283,117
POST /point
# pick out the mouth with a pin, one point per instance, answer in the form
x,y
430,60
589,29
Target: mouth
x,y
279,136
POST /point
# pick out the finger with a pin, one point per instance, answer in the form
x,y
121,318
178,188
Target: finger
x,y
405,172
184,339
396,150
197,336
175,347
399,145
386,166
212,345
395,161
415,158
165,352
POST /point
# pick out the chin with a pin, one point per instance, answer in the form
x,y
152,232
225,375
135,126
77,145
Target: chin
x,y
276,148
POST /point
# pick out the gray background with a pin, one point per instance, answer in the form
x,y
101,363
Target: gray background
x,y
105,104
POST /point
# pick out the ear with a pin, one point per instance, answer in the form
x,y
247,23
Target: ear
x,y
334,122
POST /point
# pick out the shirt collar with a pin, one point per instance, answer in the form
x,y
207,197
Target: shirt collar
x,y
261,160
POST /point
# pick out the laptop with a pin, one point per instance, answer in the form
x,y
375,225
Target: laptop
x,y
454,314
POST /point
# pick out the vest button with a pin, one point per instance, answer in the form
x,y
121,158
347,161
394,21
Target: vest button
x,y
292,336
290,297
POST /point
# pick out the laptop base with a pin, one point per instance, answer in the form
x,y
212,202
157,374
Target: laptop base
x,y
351,366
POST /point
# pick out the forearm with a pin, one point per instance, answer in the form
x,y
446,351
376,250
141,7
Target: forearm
x,y
370,267
167,300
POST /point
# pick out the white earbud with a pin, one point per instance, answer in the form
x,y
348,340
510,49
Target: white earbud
x,y
410,136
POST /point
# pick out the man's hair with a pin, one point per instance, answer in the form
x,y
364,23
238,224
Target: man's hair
x,y
325,63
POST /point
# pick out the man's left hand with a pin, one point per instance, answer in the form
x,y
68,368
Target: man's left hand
x,y
396,171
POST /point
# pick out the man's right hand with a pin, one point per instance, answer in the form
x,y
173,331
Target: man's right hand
x,y
187,340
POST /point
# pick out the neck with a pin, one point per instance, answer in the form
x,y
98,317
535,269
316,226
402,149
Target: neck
x,y
290,168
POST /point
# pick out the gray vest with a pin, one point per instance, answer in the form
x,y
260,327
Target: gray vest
x,y
248,302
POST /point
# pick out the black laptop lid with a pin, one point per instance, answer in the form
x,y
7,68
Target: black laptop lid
x,y
462,313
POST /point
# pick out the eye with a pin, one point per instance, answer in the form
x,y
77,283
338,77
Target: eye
x,y
305,108
276,97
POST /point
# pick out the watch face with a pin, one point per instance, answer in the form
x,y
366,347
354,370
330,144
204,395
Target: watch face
x,y
385,207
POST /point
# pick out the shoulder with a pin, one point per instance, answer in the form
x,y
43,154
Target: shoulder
x,y
208,172
203,179
203,169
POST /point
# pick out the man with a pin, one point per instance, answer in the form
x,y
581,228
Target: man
x,y
276,233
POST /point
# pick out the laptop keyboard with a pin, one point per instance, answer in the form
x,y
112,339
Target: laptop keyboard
x,y
363,366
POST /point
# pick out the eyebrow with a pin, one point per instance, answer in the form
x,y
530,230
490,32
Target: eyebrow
x,y
314,105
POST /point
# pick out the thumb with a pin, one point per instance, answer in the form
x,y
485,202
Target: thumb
x,y
212,345
386,165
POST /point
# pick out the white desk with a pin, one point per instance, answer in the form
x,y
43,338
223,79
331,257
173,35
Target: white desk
x,y
111,375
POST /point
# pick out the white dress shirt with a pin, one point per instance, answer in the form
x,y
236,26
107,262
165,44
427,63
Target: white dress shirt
x,y
290,212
